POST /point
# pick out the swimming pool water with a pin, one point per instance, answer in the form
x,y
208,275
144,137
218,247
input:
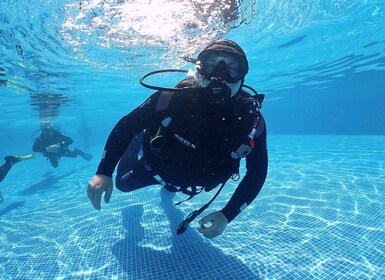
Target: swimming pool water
x,y
321,212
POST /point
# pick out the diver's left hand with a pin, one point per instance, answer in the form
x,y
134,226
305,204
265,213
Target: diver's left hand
x,y
218,224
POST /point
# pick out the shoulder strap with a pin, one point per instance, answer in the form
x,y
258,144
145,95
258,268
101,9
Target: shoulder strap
x,y
184,224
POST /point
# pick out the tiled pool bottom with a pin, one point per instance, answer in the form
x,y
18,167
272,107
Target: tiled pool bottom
x,y
320,215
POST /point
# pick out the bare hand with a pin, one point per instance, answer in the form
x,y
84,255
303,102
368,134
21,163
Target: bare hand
x,y
217,221
96,187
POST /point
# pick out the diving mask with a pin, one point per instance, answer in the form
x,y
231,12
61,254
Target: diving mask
x,y
225,65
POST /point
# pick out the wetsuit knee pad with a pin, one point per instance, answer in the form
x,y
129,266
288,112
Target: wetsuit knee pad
x,y
136,177
123,183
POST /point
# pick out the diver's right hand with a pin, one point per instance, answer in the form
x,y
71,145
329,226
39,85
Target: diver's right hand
x,y
96,186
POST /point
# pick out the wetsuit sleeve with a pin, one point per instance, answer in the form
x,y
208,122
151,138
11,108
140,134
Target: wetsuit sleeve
x,y
63,139
124,131
251,184
38,145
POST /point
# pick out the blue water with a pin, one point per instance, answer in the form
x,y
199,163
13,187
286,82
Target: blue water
x,y
321,212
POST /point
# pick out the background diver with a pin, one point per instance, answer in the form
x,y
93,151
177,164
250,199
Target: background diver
x,y
53,144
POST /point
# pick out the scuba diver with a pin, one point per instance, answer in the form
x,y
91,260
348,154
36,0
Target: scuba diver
x,y
9,162
192,138
53,144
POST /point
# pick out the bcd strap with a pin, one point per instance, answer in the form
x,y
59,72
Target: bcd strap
x,y
246,148
185,223
194,191
190,191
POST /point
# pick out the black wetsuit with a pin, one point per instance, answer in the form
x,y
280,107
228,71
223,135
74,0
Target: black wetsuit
x,y
196,154
4,169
